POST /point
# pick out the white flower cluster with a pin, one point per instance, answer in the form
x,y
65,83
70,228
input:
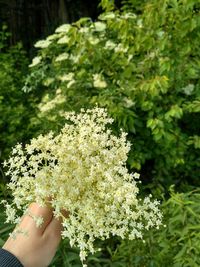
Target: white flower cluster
x,y
63,28
62,57
82,170
48,104
69,78
98,81
42,44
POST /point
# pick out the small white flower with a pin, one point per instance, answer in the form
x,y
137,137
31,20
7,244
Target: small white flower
x,y
58,91
130,58
64,40
51,104
99,26
128,102
108,15
67,77
42,44
84,30
74,58
110,45
129,16
35,61
64,28
160,34
139,23
188,89
71,83
98,81
136,175
93,40
62,57
120,48
52,37
48,81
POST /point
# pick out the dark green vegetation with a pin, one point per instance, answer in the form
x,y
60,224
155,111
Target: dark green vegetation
x,y
13,101
151,66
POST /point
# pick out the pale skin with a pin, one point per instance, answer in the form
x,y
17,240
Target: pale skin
x,y
38,247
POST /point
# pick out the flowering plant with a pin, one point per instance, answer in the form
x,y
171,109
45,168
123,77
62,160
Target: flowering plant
x,y
82,170
127,62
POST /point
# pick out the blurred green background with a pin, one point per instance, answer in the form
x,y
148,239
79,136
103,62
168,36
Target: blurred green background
x,y
140,60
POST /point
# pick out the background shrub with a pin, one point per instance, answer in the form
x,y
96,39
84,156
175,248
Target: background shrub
x,y
16,107
176,245
140,63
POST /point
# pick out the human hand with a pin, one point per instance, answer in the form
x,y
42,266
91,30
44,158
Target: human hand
x,y
38,247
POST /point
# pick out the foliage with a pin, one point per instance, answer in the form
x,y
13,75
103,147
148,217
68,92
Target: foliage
x,y
4,228
144,68
15,105
142,63
176,245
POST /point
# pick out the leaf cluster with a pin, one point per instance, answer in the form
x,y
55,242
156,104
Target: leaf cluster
x,y
16,107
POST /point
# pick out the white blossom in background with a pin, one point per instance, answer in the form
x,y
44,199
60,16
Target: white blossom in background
x,y
62,57
35,61
99,26
48,81
63,40
140,23
108,15
98,81
110,45
82,170
67,77
130,57
188,90
128,102
52,37
120,48
46,105
74,58
63,28
84,30
42,44
93,40
129,16
70,83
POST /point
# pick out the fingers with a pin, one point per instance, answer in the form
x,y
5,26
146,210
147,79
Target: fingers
x,y
53,230
37,218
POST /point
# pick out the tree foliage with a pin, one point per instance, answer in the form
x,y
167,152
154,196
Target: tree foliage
x,y
16,107
142,64
176,245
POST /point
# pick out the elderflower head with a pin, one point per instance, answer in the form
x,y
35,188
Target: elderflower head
x,y
82,170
